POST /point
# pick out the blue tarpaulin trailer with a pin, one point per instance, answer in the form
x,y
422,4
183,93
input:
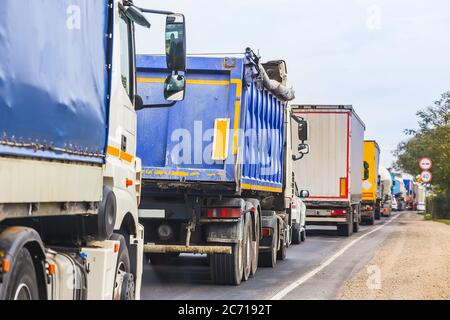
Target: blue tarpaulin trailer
x,y
213,164
54,80
228,130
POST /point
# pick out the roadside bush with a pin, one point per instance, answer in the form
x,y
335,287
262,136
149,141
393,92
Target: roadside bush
x,y
439,206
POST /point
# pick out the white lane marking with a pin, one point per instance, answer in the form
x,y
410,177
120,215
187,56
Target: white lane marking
x,y
284,292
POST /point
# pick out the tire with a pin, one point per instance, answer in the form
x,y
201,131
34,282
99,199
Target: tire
x,y
356,223
247,246
23,283
255,248
227,269
346,230
282,252
296,234
355,226
123,271
160,259
371,220
377,215
269,259
303,235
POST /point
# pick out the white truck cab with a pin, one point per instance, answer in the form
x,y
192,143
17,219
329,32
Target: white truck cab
x,y
68,204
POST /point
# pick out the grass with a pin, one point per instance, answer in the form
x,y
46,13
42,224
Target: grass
x,y
430,218
446,221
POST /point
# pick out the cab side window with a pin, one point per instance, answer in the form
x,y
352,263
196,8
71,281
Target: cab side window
x,y
125,55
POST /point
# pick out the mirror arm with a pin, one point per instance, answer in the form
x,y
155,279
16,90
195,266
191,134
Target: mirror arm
x,y
166,13
295,158
149,106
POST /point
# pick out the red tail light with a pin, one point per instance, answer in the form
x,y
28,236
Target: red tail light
x,y
336,213
224,212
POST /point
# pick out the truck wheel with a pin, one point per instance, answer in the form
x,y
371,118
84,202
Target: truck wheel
x,y
255,249
124,281
357,221
281,253
377,215
346,229
296,234
247,245
371,220
228,268
356,226
23,282
303,235
159,259
269,259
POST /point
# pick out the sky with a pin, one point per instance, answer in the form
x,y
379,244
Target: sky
x,y
387,58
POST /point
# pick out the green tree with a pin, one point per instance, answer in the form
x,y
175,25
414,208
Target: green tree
x,y
432,140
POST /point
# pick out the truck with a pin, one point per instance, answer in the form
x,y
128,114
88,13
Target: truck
x,y
332,171
398,190
371,198
70,178
408,181
386,192
213,177
419,197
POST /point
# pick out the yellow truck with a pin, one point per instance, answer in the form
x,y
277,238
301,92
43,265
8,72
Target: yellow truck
x,y
370,205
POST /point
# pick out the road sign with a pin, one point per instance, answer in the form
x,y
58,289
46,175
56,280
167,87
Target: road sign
x,y
425,164
426,176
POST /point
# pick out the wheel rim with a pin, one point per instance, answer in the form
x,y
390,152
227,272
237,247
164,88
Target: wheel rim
x,y
23,292
121,272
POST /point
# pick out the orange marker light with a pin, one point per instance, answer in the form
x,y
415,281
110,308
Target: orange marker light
x,y
51,269
116,247
5,265
128,182
266,232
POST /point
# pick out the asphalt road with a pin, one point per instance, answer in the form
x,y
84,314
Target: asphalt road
x,y
315,269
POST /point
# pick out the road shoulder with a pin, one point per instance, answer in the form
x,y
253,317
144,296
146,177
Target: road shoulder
x,y
412,263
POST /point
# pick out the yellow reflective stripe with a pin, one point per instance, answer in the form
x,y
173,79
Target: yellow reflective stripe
x,y
212,82
220,142
126,156
261,188
115,152
151,80
237,114
238,83
188,81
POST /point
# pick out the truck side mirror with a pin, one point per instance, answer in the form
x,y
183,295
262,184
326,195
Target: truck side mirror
x,y
366,170
304,194
176,42
175,87
303,130
135,15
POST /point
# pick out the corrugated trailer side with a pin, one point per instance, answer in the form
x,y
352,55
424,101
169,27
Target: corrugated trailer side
x,y
332,170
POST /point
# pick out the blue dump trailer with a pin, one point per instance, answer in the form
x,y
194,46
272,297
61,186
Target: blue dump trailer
x,y
214,164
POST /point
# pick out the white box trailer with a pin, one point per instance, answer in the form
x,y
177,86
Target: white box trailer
x,y
332,172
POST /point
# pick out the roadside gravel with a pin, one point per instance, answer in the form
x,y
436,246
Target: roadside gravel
x,y
413,263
